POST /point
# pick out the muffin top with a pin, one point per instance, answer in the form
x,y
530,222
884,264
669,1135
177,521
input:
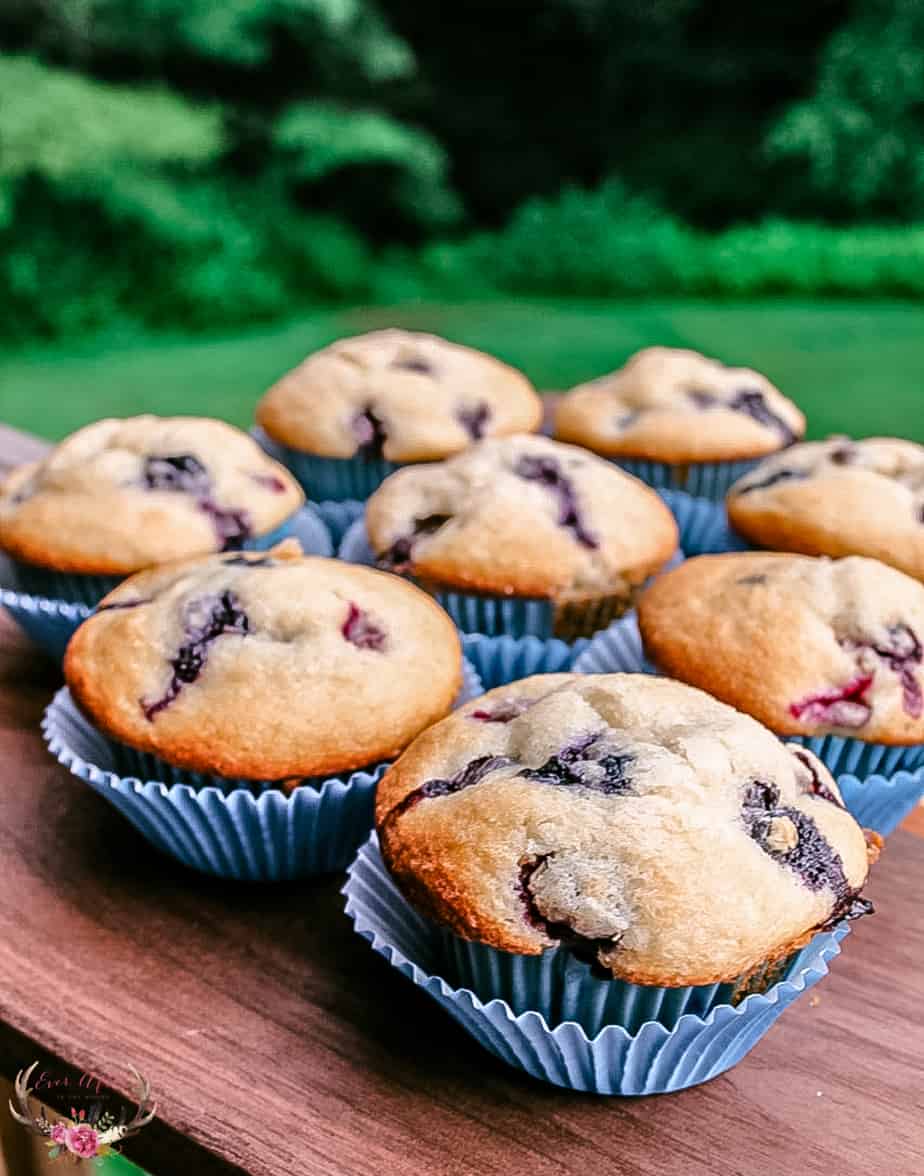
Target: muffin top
x,y
522,515
807,646
265,665
838,497
628,816
121,495
400,395
669,404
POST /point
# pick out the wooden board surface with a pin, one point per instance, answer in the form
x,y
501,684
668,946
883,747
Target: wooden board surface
x,y
277,1042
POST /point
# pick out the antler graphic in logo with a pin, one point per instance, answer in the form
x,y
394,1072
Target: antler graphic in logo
x,y
84,1135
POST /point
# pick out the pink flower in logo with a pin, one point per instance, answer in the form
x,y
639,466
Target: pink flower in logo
x,y
82,1141
59,1134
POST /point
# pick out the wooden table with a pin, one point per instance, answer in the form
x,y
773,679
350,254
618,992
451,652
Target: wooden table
x,y
277,1042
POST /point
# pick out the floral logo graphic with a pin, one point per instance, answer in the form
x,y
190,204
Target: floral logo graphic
x,y
88,1132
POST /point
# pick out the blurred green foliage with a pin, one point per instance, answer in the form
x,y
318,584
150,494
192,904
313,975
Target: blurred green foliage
x,y
186,162
609,243
859,137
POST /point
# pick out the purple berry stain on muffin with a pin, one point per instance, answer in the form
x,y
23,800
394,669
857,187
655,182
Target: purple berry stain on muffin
x,y
370,433
122,604
903,654
774,479
549,473
185,474
413,363
241,561
398,557
206,619
474,420
360,630
841,706
583,947
752,402
473,773
792,839
504,711
844,454
586,763
270,482
816,786
702,399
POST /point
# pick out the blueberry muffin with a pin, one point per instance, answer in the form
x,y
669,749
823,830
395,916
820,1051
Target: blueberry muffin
x,y
807,646
676,406
265,665
524,517
398,395
636,820
838,497
122,495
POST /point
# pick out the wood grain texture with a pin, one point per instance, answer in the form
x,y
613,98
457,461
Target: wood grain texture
x,y
277,1042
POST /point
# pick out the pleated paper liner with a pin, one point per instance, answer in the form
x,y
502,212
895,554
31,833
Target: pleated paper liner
x,y
880,784
338,517
500,660
48,606
671,1039
49,623
707,479
246,830
510,616
704,526
334,479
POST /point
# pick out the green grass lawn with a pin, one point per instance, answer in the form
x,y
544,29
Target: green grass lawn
x,y
854,367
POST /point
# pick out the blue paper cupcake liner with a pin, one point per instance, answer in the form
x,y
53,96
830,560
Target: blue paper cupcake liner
x,y
500,660
50,620
333,479
704,526
707,479
880,784
499,616
49,623
673,1038
338,517
247,830
882,802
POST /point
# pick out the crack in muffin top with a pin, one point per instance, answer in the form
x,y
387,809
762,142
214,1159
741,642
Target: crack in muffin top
x,y
523,515
679,838
838,497
674,405
266,666
122,495
401,395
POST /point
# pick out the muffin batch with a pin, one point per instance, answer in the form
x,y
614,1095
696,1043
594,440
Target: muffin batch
x,y
643,869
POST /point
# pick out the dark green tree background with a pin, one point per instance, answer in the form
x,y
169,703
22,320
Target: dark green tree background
x,y
193,162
